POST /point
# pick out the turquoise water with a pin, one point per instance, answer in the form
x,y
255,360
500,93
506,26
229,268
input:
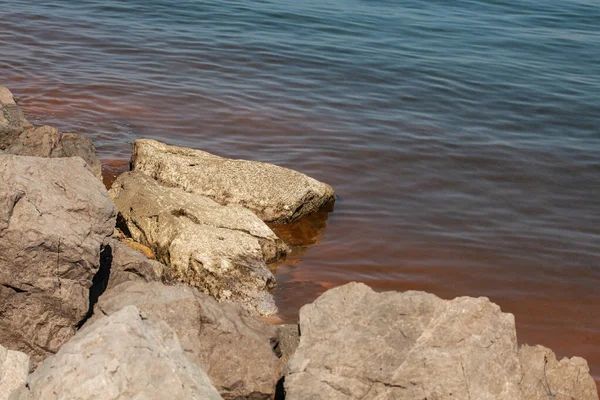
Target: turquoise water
x,y
463,137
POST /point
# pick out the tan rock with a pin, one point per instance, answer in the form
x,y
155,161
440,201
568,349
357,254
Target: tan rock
x,y
219,249
546,378
12,119
14,368
274,193
232,346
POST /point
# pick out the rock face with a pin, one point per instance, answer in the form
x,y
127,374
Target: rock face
x,y
47,141
274,193
357,344
14,368
12,120
544,377
54,216
123,356
220,249
288,340
126,264
234,348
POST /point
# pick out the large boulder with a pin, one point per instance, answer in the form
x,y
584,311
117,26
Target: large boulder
x,y
12,120
220,249
14,368
47,141
124,356
544,377
54,216
274,193
358,344
234,348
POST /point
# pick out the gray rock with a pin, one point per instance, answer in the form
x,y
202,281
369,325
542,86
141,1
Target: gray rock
x,y
274,193
14,368
47,141
288,341
54,216
12,120
546,378
219,249
126,264
234,348
358,344
124,356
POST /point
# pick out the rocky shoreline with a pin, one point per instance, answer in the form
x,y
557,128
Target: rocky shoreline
x,y
155,289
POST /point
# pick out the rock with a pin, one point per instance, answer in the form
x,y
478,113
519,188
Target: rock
x,y
123,356
357,344
14,368
54,216
47,141
274,193
126,264
234,348
140,248
219,249
544,377
288,340
12,120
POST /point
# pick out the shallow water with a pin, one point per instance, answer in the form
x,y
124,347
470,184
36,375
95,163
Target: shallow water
x,y
462,137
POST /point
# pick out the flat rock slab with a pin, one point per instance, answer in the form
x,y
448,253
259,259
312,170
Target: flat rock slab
x,y
14,368
221,250
123,356
54,216
274,193
358,344
232,346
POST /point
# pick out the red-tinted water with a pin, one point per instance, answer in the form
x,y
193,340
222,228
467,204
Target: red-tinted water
x,y
463,144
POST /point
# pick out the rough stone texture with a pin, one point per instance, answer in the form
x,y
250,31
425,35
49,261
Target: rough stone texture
x,y
546,378
274,193
14,368
219,249
126,264
124,356
234,348
358,344
47,141
54,216
12,120
288,340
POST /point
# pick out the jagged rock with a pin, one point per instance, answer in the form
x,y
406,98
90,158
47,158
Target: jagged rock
x,y
12,120
14,368
234,348
546,378
288,340
54,216
358,344
219,249
274,193
47,141
124,356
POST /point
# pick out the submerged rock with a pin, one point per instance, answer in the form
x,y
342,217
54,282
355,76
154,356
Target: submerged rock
x,y
358,344
14,368
233,347
12,120
47,141
219,249
274,193
123,356
54,216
